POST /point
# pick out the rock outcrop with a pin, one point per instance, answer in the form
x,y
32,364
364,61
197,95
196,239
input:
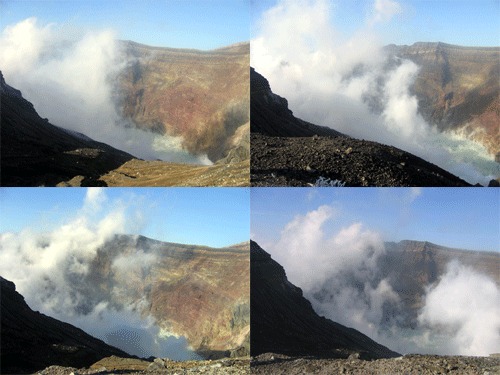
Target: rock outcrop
x,y
32,341
284,322
458,89
202,96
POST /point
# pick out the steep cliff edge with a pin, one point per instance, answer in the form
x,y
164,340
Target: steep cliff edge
x,y
32,341
202,96
458,89
284,322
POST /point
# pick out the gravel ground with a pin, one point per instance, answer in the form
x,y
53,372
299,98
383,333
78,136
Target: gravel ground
x,y
115,365
301,161
276,364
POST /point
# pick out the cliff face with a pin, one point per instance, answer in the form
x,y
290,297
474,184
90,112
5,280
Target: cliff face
x,y
198,292
284,322
458,89
415,265
32,341
202,96
410,267
271,115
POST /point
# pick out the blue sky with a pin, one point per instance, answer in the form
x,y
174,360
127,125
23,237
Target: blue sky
x,y
199,24
467,218
461,22
215,217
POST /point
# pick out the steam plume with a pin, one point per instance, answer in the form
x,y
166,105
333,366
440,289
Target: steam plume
x,y
60,273
351,85
68,76
341,275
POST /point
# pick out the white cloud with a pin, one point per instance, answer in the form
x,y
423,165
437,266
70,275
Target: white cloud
x,y
385,10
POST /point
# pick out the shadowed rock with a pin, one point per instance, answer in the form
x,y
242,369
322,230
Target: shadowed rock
x,y
32,341
283,321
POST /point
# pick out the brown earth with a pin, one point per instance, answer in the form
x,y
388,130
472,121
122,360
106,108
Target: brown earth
x,y
458,89
199,292
202,96
276,364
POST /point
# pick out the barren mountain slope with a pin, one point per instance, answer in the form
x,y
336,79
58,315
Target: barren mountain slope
x,y
202,96
458,89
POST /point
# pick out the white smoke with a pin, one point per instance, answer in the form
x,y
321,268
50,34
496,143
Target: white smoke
x,y
351,85
54,271
466,306
340,275
68,76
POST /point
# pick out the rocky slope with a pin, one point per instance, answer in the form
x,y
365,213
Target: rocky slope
x,y
276,364
458,89
284,322
286,151
115,365
194,291
33,341
37,153
202,96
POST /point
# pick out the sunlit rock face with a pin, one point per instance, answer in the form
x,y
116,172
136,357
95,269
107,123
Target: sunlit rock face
x,y
198,292
458,89
203,96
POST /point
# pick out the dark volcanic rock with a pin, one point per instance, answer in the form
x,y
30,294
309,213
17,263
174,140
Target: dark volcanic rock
x,y
270,114
286,151
293,161
284,322
32,341
35,152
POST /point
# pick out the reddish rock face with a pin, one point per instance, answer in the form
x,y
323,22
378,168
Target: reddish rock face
x,y
203,96
198,292
458,89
